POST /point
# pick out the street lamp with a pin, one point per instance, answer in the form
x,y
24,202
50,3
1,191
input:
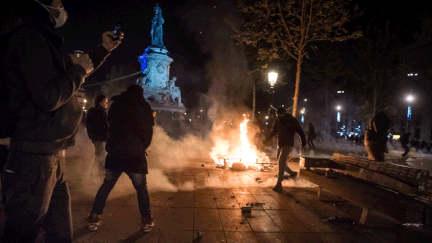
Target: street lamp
x,y
272,78
409,99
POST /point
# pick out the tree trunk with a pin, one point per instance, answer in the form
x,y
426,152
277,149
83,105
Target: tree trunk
x,y
297,85
253,99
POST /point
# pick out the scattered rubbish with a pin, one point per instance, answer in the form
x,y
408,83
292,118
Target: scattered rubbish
x,y
339,220
417,225
232,196
202,165
238,167
276,176
170,198
214,198
242,222
200,233
258,179
246,209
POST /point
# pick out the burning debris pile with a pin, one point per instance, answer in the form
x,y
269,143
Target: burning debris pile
x,y
244,156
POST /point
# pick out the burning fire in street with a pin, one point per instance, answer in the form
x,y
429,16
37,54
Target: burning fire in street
x,y
246,154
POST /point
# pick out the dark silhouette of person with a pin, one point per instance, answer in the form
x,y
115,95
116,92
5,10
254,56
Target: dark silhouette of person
x,y
311,136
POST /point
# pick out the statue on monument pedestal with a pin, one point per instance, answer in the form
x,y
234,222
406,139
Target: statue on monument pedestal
x,y
156,30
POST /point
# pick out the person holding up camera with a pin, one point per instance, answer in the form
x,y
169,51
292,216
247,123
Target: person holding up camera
x,y
42,84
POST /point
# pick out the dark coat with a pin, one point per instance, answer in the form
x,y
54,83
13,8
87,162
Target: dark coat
x,y
42,85
97,124
285,128
376,130
131,123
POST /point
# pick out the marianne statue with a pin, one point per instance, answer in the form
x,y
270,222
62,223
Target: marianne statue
x,y
156,31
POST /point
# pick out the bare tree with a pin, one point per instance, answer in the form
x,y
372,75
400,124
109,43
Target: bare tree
x,y
282,29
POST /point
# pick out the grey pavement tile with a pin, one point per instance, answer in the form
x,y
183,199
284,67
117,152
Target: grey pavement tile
x,y
260,221
227,202
360,238
183,200
246,179
313,203
179,219
205,201
332,238
80,225
286,221
256,190
222,192
243,237
204,192
209,237
272,238
176,236
302,238
240,190
207,219
234,220
125,226
314,222
244,199
268,202
289,201
161,198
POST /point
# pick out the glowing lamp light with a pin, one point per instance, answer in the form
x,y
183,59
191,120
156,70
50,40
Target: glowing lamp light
x,y
338,107
272,78
410,98
85,101
266,117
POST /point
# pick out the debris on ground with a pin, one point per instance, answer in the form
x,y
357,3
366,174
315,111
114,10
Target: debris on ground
x,y
417,225
233,196
254,204
202,165
339,220
246,209
258,179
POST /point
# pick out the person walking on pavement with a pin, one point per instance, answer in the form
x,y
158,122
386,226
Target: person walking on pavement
x,y
376,133
131,123
285,126
311,136
42,83
97,127
405,142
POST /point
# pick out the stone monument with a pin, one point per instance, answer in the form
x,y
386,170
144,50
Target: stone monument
x,y
159,90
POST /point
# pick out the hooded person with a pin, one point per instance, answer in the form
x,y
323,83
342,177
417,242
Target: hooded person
x,y
97,127
376,133
42,82
131,123
285,127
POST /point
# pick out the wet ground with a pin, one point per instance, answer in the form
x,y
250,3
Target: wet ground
x,y
204,205
213,214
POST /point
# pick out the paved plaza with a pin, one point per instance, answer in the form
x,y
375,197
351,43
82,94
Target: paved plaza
x,y
213,214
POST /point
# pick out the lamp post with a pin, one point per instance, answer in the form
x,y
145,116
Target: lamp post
x,y
409,99
272,78
302,112
338,117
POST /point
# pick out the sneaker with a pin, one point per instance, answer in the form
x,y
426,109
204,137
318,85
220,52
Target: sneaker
x,y
278,188
94,221
147,223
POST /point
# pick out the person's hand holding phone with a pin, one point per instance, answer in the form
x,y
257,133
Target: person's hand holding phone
x,y
108,42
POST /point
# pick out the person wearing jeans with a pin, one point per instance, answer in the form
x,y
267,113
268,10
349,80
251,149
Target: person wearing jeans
x,y
131,122
285,127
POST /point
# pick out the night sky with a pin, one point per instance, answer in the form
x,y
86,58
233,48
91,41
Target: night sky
x,y
186,23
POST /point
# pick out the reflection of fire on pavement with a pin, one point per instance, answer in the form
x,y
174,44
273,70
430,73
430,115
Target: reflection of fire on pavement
x,y
247,156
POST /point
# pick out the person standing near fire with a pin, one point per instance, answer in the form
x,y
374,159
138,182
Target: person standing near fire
x,y
97,127
285,126
376,133
311,136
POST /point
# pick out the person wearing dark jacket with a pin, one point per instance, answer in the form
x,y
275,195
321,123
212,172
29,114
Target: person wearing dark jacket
x,y
311,136
405,142
285,127
97,127
42,81
131,123
376,133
